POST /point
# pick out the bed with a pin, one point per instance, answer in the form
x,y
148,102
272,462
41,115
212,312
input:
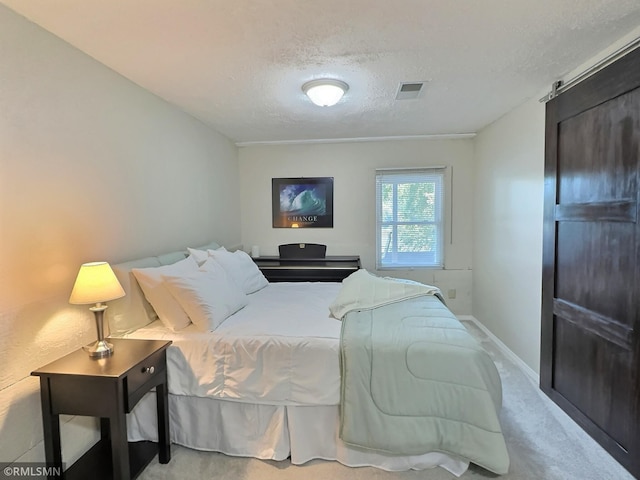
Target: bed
x,y
266,381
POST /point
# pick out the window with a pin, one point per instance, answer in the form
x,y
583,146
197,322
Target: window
x,y
409,218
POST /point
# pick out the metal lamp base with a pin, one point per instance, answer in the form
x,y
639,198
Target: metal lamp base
x,y
99,349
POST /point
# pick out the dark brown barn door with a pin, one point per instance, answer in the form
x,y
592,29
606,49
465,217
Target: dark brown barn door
x,y
590,356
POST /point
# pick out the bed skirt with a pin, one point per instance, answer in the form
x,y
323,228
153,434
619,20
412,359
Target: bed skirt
x,y
269,432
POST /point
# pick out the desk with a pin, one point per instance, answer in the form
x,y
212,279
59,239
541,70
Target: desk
x,y
328,269
108,388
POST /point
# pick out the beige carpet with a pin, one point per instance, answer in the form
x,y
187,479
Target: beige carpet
x,y
543,445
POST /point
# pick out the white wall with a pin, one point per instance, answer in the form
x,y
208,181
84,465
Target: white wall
x,y
353,167
507,250
92,167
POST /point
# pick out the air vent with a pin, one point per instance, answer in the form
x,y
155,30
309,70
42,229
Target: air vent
x,y
409,90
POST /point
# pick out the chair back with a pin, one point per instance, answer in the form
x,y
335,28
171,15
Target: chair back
x,y
302,250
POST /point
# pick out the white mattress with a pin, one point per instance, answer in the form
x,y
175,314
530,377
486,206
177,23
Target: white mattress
x,y
281,349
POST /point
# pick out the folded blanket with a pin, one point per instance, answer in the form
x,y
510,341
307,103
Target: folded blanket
x,y
363,291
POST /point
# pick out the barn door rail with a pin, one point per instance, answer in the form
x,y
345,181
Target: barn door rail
x,y
560,86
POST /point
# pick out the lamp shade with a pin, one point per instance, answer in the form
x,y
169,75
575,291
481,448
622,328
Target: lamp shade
x,y
325,92
95,283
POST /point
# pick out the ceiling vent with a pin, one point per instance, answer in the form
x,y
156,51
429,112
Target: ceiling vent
x,y
409,90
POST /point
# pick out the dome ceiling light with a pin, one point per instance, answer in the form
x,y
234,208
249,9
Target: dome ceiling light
x,y
325,92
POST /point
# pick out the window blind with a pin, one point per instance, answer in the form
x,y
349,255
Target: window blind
x,y
409,218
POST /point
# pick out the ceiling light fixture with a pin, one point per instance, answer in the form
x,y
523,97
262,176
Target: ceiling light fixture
x,y
325,92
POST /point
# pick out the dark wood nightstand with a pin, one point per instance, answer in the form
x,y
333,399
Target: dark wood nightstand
x,y
108,388
327,269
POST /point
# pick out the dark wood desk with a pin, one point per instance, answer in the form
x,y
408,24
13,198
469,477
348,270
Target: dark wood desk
x,y
328,269
108,388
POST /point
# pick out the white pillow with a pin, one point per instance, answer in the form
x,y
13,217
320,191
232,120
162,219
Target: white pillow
x,y
209,295
242,269
201,256
168,309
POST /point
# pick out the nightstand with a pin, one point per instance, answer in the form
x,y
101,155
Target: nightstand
x,y
108,388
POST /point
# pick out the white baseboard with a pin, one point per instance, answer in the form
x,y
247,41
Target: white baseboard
x,y
529,372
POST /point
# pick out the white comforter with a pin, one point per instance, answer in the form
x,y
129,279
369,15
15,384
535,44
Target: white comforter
x,y
364,291
281,349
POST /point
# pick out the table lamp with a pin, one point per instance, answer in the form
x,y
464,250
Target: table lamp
x,y
96,283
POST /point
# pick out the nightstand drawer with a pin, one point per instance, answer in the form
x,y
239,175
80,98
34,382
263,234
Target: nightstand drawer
x,y
151,369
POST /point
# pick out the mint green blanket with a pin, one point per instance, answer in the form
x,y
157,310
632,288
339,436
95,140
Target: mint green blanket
x,y
415,381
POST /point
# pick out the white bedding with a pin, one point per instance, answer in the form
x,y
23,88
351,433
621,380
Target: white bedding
x,y
364,291
273,432
281,349
265,384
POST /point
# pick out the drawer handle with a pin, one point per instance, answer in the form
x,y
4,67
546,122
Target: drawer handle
x,y
149,370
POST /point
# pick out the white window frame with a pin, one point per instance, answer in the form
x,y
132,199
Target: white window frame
x,y
390,257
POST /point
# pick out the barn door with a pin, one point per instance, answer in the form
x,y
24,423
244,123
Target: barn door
x,y
591,267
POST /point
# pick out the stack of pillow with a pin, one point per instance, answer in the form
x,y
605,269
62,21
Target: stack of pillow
x,y
204,289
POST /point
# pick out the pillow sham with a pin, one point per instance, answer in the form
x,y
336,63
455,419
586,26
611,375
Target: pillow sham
x,y
170,312
241,268
209,295
201,255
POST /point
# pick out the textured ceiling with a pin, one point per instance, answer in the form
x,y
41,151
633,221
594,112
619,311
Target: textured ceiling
x,y
238,65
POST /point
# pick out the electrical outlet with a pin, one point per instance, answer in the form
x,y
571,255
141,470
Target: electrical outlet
x,y
451,293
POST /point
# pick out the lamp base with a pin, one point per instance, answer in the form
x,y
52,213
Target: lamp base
x,y
99,349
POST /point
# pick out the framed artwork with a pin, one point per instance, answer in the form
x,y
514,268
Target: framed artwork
x,y
302,202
